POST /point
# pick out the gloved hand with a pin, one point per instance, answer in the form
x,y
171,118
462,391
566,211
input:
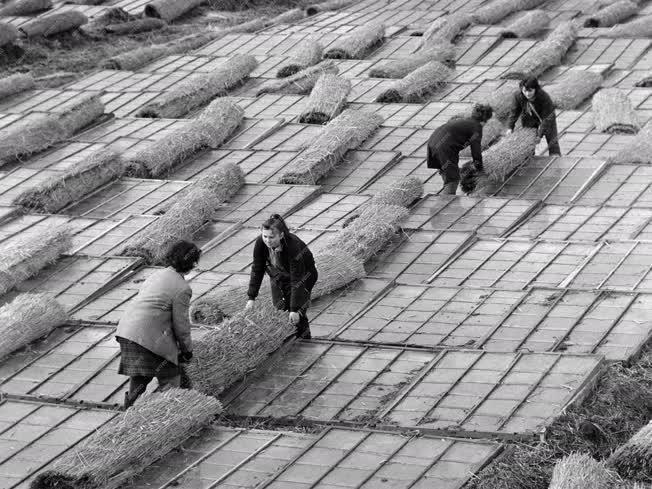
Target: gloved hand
x,y
185,357
250,304
478,165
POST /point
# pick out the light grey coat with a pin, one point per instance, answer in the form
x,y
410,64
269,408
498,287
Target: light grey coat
x,y
157,318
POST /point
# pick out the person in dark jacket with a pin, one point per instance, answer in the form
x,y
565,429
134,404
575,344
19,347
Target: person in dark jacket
x,y
447,141
291,269
536,109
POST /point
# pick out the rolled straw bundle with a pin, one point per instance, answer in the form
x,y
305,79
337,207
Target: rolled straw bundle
x,y
581,471
249,26
501,100
307,53
8,34
328,5
544,54
301,82
612,14
58,191
633,460
135,26
327,99
357,43
24,255
55,80
639,151
497,10
201,88
416,85
613,112
336,270
13,84
640,27
27,318
402,193
491,132
24,7
574,88
79,113
169,10
646,80
187,214
50,25
445,29
347,131
289,17
399,68
528,25
130,442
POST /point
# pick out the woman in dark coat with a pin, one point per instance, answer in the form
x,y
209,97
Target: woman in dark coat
x,y
291,269
536,110
154,331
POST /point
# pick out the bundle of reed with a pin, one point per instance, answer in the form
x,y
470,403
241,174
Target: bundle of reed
x,y
633,460
187,214
49,25
639,27
336,270
22,256
248,26
638,151
328,5
135,26
210,129
200,88
399,68
445,29
301,82
55,80
307,53
497,10
169,10
491,132
612,14
8,34
58,191
327,99
289,17
544,54
27,318
416,85
347,131
156,424
357,43
501,100
613,112
500,160
113,15
528,25
25,7
79,113
13,84
402,193
646,80
581,471
574,88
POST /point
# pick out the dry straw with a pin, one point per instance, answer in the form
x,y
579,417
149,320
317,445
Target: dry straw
x,y
402,193
22,256
418,84
574,88
289,17
55,80
58,191
156,424
249,26
445,30
613,112
501,100
200,88
640,27
399,68
135,26
646,80
301,82
347,131
50,25
638,151
327,99
633,460
24,7
491,132
612,14
544,54
530,24
8,34
187,214
328,5
497,10
305,54
210,129
27,318
581,471
357,43
169,10
13,84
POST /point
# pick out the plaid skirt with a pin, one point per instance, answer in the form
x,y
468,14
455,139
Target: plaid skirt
x,y
136,361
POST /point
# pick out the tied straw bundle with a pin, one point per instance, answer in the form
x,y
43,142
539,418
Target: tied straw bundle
x,y
135,26
14,84
27,318
301,82
327,99
445,29
24,7
639,151
491,132
357,43
131,441
613,112
574,88
417,84
399,68
497,10
501,100
633,460
402,193
581,471
169,10
528,25
328,5
612,14
307,53
640,27
52,24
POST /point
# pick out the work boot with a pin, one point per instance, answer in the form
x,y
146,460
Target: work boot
x,y
128,401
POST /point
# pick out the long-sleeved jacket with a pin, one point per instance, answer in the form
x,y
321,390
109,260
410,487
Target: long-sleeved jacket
x,y
542,117
448,140
157,318
296,259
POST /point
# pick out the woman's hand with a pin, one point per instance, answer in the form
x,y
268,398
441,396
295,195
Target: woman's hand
x,y
295,317
508,132
185,357
250,305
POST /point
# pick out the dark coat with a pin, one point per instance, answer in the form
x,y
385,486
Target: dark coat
x,y
543,116
448,140
297,260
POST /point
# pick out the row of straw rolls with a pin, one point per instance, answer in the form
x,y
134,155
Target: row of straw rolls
x,y
42,131
347,131
613,112
399,68
327,99
24,7
497,10
200,88
612,14
421,82
529,24
301,82
210,129
356,43
188,213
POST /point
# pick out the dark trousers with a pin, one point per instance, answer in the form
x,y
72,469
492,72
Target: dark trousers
x,y
138,384
281,299
552,138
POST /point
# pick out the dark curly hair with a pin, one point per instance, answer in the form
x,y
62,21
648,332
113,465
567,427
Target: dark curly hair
x,y
530,83
182,256
482,113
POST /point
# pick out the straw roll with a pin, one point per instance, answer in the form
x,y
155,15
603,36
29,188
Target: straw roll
x,y
416,85
612,14
357,43
581,471
52,24
633,460
530,24
327,99
613,112
399,68
306,53
17,83
24,7
574,88
301,82
169,10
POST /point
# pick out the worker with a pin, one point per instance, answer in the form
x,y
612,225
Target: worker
x,y
154,331
536,110
291,269
447,141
